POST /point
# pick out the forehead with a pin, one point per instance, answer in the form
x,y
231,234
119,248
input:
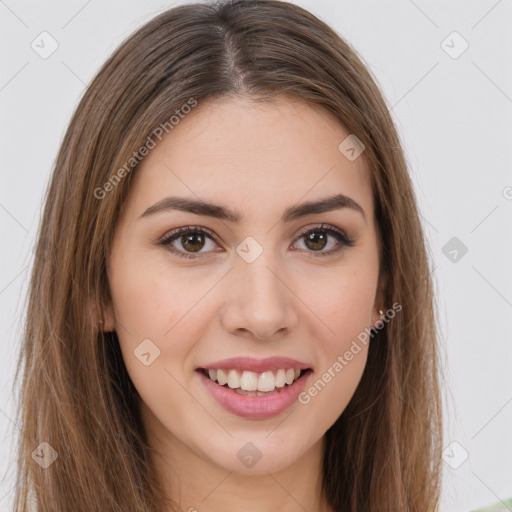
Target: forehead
x,y
256,157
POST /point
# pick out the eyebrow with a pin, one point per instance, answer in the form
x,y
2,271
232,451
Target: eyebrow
x,y
205,208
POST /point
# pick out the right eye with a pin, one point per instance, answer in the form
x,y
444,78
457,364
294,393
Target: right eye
x,y
191,238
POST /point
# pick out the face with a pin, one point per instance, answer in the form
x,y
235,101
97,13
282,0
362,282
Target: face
x,y
263,276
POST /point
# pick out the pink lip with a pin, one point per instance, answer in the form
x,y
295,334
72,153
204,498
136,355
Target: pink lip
x,y
254,407
257,365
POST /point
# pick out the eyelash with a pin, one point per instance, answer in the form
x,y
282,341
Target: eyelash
x,y
324,228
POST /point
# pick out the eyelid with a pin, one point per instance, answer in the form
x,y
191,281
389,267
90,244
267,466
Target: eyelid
x,y
185,229
327,228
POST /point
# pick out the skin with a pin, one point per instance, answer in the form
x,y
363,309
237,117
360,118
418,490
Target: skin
x,y
258,159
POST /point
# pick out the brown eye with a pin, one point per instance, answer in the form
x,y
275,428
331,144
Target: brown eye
x,y
315,240
193,242
189,242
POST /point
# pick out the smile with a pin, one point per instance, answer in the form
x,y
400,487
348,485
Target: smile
x,y
250,383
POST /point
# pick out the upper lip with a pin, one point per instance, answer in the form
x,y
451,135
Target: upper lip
x,y
256,365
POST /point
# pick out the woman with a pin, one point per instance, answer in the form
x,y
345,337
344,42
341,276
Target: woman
x,y
231,304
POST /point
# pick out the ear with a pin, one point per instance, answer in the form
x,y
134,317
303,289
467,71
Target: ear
x,y
380,298
109,323
103,316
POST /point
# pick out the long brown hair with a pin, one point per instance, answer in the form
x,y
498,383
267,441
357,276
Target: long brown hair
x,y
384,452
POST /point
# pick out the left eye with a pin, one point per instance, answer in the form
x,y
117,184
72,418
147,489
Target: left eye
x,y
194,239
317,239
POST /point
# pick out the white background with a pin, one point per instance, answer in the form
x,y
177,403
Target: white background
x,y
454,116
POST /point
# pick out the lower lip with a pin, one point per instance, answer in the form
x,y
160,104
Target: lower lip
x,y
254,407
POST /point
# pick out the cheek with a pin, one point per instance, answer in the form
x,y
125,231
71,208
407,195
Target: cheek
x,y
327,394
157,315
158,311
350,314
151,299
345,307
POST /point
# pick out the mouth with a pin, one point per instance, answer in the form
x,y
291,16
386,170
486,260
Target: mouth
x,y
254,395
250,383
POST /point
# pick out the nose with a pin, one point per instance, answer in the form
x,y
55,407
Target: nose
x,y
259,302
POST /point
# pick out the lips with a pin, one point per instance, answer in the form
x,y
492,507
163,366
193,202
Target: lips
x,y
252,388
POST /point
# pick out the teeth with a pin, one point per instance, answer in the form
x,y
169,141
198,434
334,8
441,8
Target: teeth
x,y
240,391
233,379
289,376
266,382
222,378
249,381
281,378
255,383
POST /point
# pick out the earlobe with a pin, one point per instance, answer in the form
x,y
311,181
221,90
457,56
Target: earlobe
x,y
108,323
378,318
103,317
379,307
